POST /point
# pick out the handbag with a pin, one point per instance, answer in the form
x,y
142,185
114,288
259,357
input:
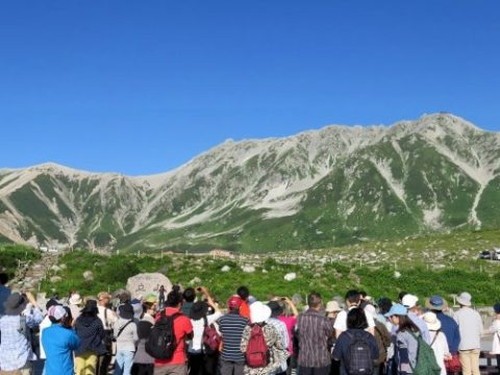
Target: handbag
x,y
453,364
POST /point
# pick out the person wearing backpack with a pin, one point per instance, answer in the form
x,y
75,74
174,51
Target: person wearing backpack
x,y
439,344
412,354
355,348
406,347
201,358
181,330
261,343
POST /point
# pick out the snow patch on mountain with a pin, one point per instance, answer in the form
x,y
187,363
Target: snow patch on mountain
x,y
383,167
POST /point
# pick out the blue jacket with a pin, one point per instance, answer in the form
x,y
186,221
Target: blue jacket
x,y
59,344
450,330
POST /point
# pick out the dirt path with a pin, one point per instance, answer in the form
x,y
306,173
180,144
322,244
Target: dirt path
x,y
30,274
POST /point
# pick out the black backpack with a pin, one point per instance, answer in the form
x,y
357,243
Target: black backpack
x,y
359,355
161,343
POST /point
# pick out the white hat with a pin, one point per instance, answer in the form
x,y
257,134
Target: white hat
x,y
57,312
259,312
409,301
75,299
464,299
432,321
332,306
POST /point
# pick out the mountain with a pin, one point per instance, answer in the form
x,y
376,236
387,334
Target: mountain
x,y
320,188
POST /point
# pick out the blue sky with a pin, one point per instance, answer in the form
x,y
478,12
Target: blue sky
x,y
141,87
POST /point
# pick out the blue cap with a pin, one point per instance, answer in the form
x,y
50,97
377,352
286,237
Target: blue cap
x,y
397,309
436,303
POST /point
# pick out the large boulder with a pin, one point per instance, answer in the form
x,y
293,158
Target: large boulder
x,y
144,284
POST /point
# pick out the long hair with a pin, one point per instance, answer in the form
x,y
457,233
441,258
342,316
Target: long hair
x,y
406,324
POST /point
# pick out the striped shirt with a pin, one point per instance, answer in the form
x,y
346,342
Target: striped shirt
x,y
231,327
313,331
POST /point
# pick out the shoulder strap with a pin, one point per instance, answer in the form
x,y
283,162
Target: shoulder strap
x,y
418,348
205,321
121,329
106,324
435,337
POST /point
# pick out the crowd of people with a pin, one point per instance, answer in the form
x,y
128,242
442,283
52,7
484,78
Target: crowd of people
x,y
244,336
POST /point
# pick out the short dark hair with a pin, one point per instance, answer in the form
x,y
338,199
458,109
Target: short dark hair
x,y
174,298
402,294
4,278
243,292
189,295
314,300
352,296
356,319
384,305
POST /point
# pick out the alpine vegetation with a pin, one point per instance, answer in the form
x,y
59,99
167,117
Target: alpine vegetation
x,y
329,187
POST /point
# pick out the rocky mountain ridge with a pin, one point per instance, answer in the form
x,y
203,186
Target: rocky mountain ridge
x,y
318,188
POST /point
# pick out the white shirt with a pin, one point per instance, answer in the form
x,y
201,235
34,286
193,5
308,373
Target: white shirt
x,y
108,317
341,320
198,328
495,329
440,348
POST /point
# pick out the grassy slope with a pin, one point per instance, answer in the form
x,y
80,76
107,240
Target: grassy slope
x,y
445,264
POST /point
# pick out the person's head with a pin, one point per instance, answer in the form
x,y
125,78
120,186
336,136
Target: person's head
x,y
189,295
435,303
496,308
276,308
243,292
314,300
51,302
126,311
406,324
4,278
384,305
199,310
57,314
104,299
332,309
356,319
396,311
174,298
352,298
90,308
148,307
259,312
234,303
410,301
464,299
401,295
75,299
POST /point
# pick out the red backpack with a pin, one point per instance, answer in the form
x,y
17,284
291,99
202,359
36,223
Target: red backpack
x,y
257,353
211,339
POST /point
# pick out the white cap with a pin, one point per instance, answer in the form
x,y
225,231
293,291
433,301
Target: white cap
x,y
57,312
409,301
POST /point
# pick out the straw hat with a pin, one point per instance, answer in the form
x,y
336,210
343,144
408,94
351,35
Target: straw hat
x,y
432,321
